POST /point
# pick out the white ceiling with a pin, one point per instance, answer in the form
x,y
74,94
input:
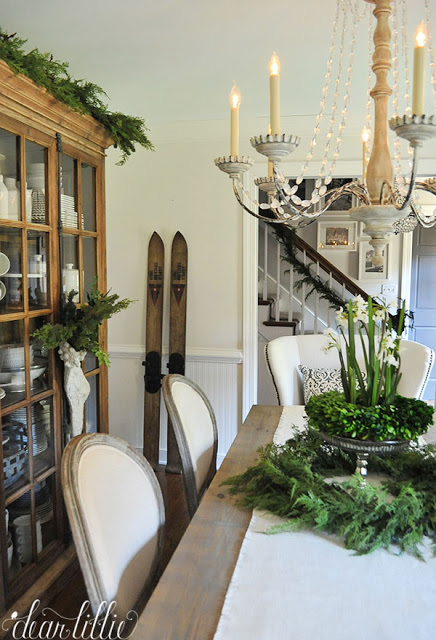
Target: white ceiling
x,y
169,60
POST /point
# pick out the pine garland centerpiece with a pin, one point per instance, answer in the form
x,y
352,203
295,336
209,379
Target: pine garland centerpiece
x,y
290,481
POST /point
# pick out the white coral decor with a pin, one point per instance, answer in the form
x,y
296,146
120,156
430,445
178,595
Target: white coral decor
x,y
76,386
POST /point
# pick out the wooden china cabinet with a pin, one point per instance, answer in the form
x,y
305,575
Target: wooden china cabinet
x,y
52,239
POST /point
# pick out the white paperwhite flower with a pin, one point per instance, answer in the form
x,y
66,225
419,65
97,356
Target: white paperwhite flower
x,y
380,315
332,340
360,304
360,315
391,360
392,305
341,318
388,342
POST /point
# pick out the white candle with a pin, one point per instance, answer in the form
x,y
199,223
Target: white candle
x,y
274,94
365,139
270,162
419,70
235,101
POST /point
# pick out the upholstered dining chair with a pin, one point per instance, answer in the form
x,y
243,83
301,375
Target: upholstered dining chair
x,y
117,516
196,435
286,354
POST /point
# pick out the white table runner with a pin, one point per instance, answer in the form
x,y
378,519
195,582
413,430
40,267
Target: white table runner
x,y
305,586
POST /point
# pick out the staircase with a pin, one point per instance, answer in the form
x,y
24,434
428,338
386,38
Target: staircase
x,y
285,308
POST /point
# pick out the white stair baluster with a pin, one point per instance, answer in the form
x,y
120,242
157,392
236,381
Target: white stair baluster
x,y
278,263
329,313
315,320
265,263
303,296
291,292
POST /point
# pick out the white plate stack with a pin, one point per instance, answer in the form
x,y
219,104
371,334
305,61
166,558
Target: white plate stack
x,y
69,216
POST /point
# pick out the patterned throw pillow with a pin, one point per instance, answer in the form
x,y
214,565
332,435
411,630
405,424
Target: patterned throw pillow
x,y
316,381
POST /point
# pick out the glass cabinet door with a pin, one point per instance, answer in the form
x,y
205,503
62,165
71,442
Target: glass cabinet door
x,y
29,408
81,270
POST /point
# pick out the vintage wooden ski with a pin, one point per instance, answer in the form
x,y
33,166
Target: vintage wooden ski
x,y
177,342
153,349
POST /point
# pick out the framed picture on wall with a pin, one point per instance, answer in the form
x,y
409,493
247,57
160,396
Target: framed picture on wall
x,y
337,235
369,268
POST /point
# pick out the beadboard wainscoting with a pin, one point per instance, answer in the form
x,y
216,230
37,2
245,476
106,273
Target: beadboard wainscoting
x,y
216,371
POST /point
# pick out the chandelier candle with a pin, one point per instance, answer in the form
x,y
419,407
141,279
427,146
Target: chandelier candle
x,y
274,94
419,71
270,163
235,101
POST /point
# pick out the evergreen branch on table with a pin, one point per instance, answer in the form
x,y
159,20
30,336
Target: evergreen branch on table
x,y
79,95
286,237
290,482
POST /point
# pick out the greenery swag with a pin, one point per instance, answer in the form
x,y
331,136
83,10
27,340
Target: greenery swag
x,y
80,95
290,481
314,283
79,325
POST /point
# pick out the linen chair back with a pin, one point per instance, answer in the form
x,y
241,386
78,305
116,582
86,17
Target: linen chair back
x,y
116,512
195,429
284,355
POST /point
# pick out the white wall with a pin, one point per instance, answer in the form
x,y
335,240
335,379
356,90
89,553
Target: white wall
x,y
176,188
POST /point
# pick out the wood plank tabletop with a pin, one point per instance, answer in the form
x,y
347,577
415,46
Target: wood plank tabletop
x,y
187,602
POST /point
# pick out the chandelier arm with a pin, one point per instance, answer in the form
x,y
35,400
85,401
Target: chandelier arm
x,y
254,213
424,221
354,188
425,186
334,194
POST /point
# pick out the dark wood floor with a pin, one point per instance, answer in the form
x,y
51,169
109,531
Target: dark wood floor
x,y
67,604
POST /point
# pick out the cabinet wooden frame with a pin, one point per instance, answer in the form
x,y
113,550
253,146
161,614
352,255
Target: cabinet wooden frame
x,y
29,112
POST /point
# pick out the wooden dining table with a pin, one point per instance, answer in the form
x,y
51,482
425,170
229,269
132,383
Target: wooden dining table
x,y
299,585
187,602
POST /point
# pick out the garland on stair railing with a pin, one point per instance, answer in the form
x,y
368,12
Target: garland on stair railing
x,y
286,237
80,95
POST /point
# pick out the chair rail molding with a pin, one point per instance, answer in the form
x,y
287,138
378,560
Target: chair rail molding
x,y
206,354
215,370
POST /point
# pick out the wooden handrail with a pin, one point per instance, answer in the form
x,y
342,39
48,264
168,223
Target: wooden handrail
x,y
337,274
